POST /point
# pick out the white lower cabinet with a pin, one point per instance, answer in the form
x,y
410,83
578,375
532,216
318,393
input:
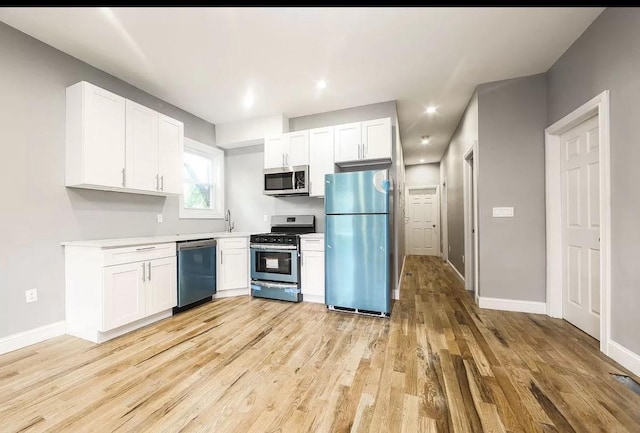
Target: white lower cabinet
x,y
312,270
233,267
111,291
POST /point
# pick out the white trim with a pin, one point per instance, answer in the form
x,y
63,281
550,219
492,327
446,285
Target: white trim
x,y
315,299
232,293
32,336
437,202
456,271
396,293
217,163
596,106
95,336
444,223
512,305
624,357
468,182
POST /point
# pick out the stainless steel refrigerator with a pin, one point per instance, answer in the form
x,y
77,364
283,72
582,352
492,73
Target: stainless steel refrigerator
x,y
357,242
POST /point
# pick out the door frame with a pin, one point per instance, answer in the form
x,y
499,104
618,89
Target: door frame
x,y
553,178
470,183
408,218
444,225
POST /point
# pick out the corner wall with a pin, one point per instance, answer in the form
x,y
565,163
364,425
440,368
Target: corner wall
x,y
451,170
511,122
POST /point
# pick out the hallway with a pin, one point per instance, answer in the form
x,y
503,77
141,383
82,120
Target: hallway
x,y
254,366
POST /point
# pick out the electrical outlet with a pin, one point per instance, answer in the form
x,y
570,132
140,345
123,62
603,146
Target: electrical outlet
x,y
159,217
266,218
31,295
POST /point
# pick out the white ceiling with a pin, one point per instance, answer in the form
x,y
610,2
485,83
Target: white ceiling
x,y
204,60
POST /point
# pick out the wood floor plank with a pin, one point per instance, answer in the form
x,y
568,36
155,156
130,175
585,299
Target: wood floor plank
x,y
439,364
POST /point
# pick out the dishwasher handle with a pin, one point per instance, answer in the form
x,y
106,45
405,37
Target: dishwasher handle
x,y
191,245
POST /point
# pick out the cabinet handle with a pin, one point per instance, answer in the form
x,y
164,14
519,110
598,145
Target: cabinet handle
x,y
123,177
145,248
149,271
221,257
143,273
365,150
157,179
162,183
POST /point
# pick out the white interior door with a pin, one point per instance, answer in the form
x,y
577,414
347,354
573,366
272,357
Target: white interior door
x,y
422,225
581,226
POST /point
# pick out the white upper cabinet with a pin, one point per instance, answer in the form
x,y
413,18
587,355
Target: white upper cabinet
x,y
348,142
376,139
95,142
296,147
285,150
361,143
116,144
170,143
320,159
274,151
142,147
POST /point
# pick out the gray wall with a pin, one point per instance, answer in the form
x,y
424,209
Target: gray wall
x,y
465,135
422,174
248,205
38,212
511,122
347,115
607,57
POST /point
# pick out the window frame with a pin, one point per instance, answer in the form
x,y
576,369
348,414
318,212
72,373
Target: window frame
x,y
216,156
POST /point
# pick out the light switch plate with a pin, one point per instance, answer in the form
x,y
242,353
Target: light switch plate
x,y
159,217
266,218
503,212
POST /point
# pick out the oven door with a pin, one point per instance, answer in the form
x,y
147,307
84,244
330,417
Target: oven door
x,y
274,263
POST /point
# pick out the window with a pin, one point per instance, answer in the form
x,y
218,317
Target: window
x,y
203,181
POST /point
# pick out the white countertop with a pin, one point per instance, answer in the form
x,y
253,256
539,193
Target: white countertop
x,y
126,242
312,236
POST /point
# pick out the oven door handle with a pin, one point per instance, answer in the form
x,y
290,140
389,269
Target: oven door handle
x,y
275,285
274,247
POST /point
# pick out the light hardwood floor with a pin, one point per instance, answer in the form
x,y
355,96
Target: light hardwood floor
x,y
249,365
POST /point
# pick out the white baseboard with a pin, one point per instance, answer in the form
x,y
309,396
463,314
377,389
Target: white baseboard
x,y
316,299
230,293
624,357
396,293
456,271
32,336
512,305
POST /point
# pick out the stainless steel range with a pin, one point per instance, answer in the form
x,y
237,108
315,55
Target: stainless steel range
x,y
275,258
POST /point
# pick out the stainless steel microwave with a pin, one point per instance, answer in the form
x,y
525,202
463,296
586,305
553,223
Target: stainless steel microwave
x,y
283,181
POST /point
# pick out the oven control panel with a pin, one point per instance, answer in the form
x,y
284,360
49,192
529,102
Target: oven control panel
x,y
274,239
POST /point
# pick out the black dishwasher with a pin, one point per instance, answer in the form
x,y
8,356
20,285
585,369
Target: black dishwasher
x,y
196,273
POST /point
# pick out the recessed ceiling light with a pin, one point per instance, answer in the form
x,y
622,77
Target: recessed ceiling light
x,y
248,100
322,84
425,139
422,160
431,110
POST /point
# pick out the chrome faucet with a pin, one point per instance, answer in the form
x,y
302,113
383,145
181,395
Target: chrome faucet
x,y
228,224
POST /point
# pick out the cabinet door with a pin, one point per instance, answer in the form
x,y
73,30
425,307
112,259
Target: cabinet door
x,y
170,142
296,147
161,293
234,269
347,142
123,294
376,138
104,137
142,147
320,159
312,282
274,151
